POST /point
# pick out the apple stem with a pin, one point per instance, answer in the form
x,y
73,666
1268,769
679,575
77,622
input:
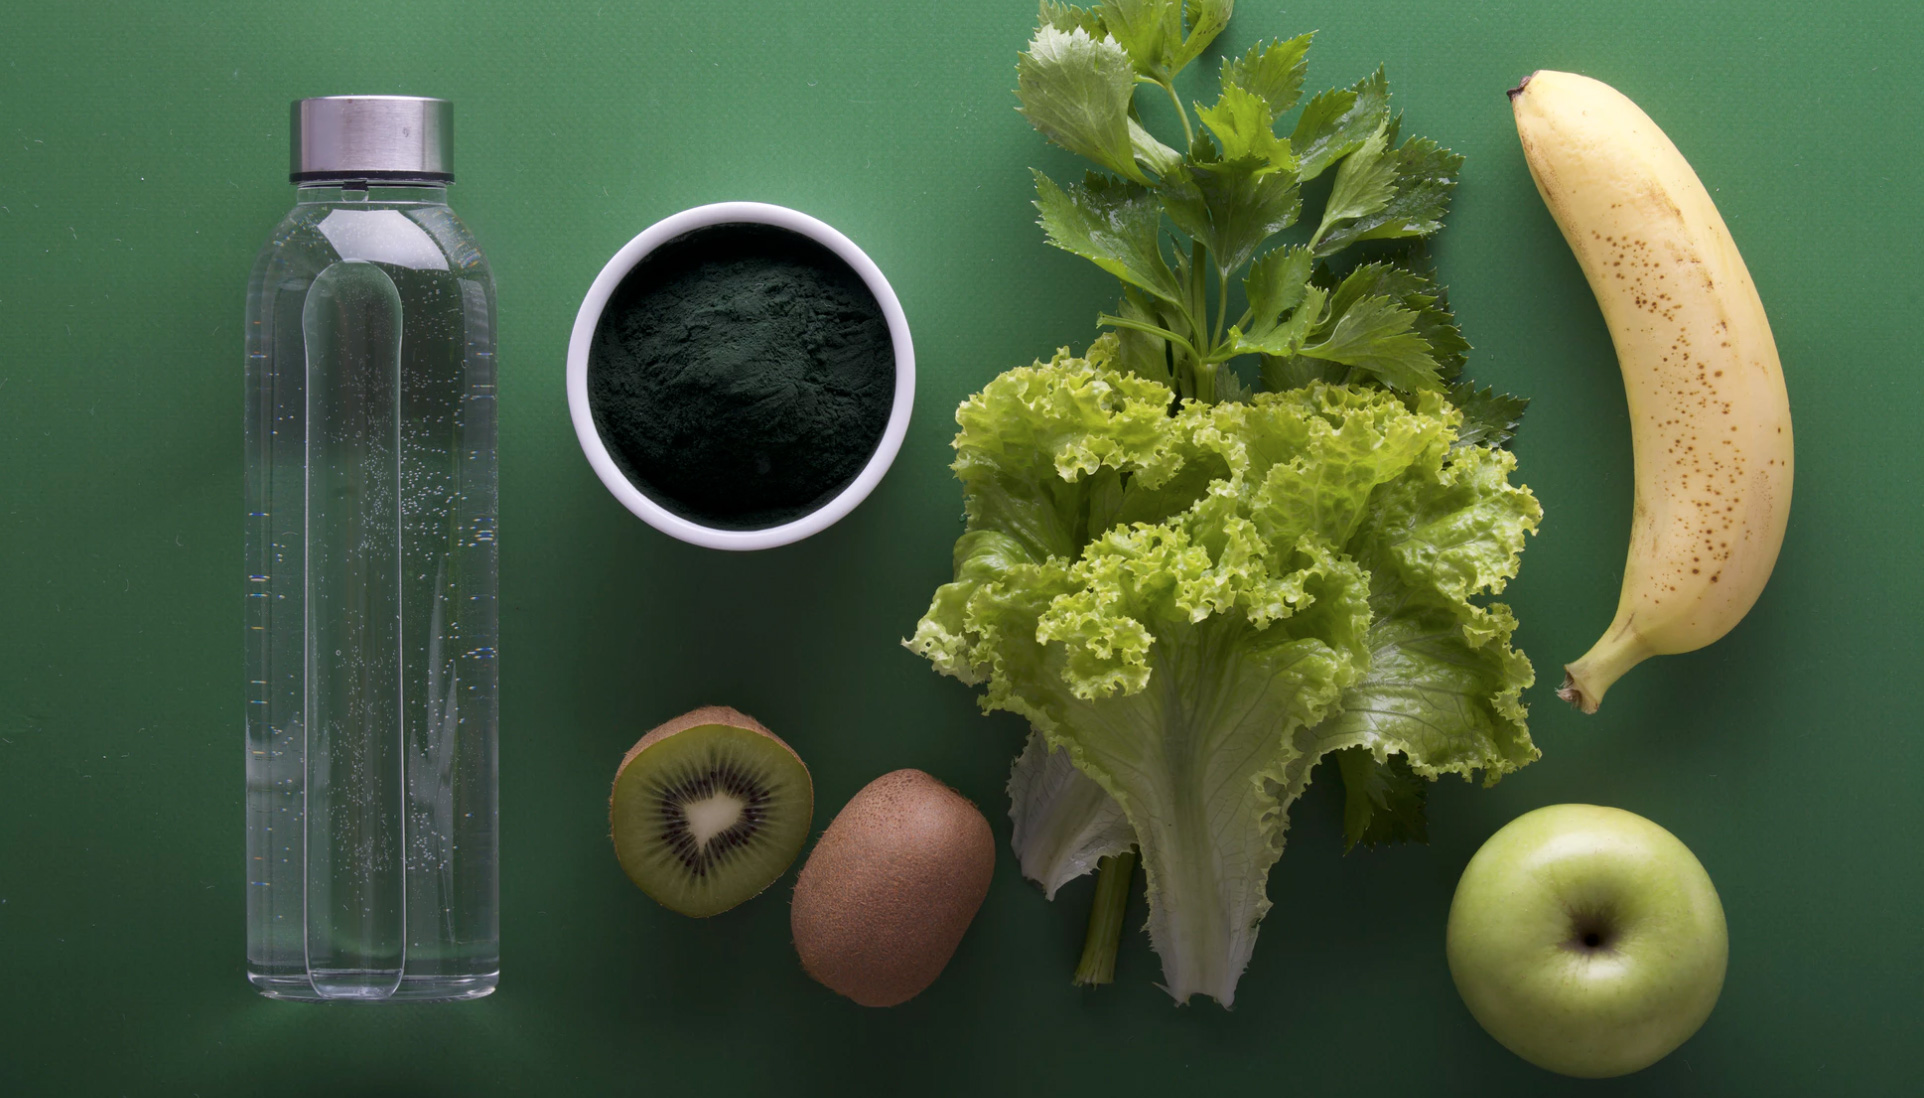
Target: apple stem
x,y
1106,912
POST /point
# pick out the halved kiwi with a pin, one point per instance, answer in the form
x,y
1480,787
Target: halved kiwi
x,y
708,810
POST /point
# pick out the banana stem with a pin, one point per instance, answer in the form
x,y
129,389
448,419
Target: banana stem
x,y
1585,681
1106,913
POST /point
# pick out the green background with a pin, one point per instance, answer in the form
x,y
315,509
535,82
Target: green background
x,y
142,160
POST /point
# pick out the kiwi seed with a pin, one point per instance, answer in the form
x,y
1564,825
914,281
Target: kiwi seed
x,y
708,810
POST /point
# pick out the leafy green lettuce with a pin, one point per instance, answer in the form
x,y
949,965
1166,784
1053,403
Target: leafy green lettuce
x,y
1255,524
1194,608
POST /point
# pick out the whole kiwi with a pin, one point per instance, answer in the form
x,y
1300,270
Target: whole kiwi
x,y
887,893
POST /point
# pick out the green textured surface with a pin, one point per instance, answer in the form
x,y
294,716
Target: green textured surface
x,y
142,152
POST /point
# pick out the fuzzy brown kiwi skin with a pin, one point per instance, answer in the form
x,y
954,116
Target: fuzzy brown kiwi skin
x,y
694,718
889,890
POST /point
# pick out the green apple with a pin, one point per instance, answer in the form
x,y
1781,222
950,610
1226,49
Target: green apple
x,y
1589,941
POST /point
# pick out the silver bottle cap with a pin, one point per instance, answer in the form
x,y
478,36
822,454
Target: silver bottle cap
x,y
399,137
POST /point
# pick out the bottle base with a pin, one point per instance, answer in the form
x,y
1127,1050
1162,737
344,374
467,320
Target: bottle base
x,y
412,989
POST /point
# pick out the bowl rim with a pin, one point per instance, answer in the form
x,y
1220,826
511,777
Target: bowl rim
x,y
589,316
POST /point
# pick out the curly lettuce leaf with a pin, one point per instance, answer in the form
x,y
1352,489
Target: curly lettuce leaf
x,y
1064,822
1032,439
1444,684
1195,761
1277,579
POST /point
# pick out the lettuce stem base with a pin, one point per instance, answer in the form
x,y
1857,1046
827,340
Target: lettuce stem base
x,y
1106,912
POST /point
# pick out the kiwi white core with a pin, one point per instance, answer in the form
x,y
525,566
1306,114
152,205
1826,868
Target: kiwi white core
x,y
712,815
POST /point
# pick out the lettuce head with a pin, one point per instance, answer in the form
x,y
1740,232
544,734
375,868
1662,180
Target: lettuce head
x,y
1193,603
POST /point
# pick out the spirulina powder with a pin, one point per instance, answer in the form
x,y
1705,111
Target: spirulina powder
x,y
741,376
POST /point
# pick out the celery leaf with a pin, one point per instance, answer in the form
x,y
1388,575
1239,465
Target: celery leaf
x,y
1244,126
1375,334
1159,157
1112,223
1232,206
1151,30
1271,70
1067,18
1207,18
1277,283
1286,339
1076,90
1364,184
1490,418
1424,175
1417,293
1335,123
1383,799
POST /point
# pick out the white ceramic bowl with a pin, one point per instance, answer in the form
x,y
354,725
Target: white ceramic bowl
x,y
625,260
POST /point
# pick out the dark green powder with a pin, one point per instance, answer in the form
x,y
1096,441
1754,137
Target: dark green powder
x,y
741,376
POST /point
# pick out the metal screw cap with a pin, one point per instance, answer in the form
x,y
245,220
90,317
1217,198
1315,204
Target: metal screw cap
x,y
397,137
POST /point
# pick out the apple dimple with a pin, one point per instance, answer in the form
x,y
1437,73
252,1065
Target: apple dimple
x,y
1592,931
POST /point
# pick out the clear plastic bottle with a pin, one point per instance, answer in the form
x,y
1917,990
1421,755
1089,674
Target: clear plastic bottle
x,y
371,583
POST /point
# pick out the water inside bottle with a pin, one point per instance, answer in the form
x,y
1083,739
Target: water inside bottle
x,y
372,619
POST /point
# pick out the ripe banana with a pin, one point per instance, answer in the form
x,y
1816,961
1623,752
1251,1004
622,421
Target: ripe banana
x,y
1710,420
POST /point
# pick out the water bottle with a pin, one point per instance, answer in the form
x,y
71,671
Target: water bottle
x,y
370,590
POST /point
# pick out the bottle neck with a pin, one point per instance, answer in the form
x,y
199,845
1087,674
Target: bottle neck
x,y
346,191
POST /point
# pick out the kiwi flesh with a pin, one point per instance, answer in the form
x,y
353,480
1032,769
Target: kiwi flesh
x,y
889,890
708,810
